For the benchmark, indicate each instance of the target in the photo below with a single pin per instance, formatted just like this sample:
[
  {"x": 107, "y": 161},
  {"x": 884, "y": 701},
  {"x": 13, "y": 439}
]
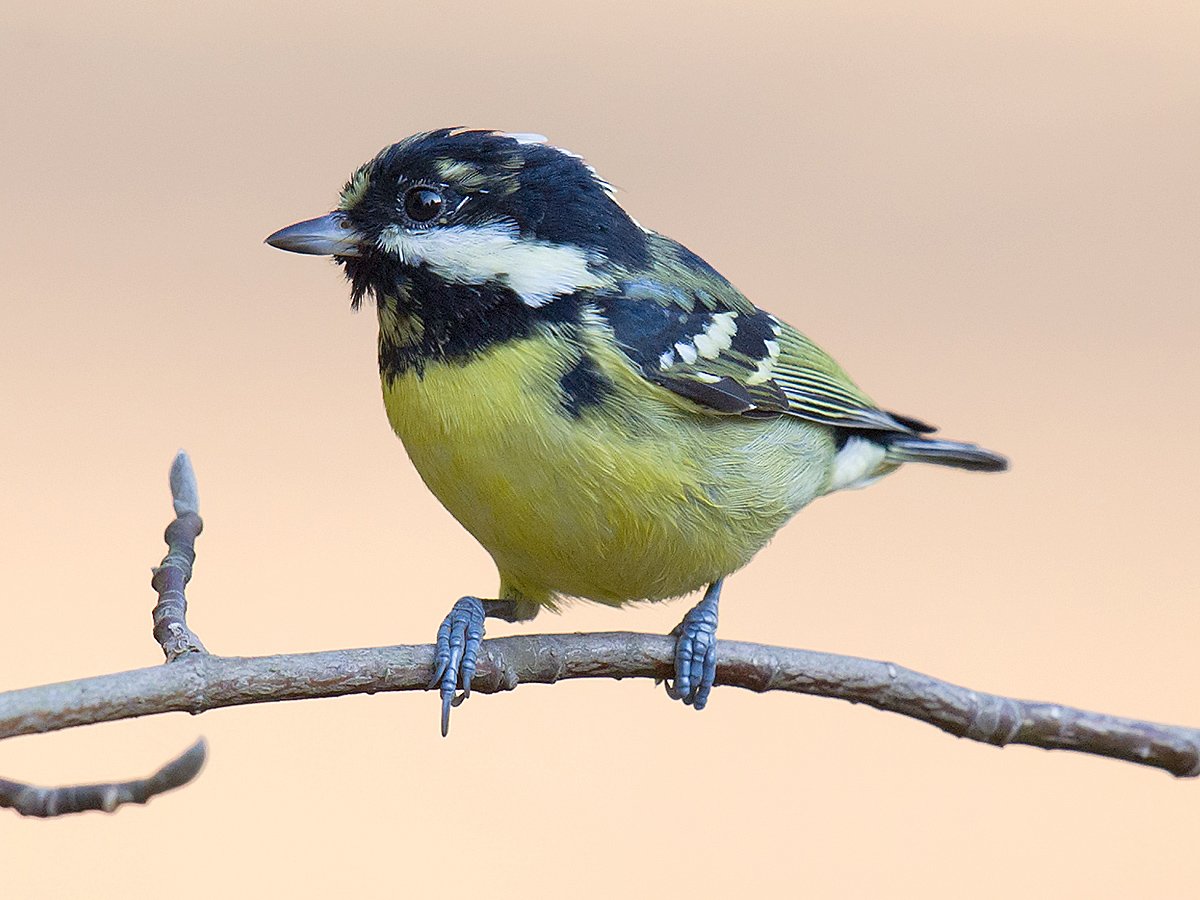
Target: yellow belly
[{"x": 638, "y": 498}]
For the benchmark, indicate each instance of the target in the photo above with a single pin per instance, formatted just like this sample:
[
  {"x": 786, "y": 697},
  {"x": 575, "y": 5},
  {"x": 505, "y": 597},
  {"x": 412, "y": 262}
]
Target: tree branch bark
[
  {"x": 193, "y": 680},
  {"x": 199, "y": 682}
]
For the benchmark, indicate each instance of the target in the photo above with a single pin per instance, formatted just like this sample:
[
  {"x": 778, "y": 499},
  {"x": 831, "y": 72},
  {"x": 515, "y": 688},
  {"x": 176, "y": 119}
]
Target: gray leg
[
  {"x": 458, "y": 643},
  {"x": 696, "y": 651}
]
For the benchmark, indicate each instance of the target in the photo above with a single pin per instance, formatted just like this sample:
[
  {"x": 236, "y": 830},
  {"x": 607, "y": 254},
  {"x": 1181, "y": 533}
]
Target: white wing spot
[
  {"x": 717, "y": 335},
  {"x": 706, "y": 346},
  {"x": 686, "y": 352},
  {"x": 724, "y": 322},
  {"x": 666, "y": 360},
  {"x": 762, "y": 372}
]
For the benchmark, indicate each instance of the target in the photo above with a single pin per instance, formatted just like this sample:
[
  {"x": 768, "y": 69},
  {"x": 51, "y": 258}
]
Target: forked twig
[
  {"x": 176, "y": 639},
  {"x": 194, "y": 680}
]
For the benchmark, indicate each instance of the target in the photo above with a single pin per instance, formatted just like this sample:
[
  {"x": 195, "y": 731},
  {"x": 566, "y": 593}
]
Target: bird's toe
[
  {"x": 696, "y": 652},
  {"x": 458, "y": 643}
]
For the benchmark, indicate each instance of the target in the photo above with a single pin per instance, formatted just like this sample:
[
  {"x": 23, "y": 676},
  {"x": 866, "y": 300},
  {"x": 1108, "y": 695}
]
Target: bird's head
[{"x": 504, "y": 213}]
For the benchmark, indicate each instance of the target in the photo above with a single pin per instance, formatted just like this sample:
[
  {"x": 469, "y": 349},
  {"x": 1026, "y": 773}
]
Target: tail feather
[{"x": 903, "y": 448}]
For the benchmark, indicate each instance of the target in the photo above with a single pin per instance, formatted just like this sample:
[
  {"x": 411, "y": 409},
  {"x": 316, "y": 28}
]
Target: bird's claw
[
  {"x": 458, "y": 642},
  {"x": 696, "y": 651}
]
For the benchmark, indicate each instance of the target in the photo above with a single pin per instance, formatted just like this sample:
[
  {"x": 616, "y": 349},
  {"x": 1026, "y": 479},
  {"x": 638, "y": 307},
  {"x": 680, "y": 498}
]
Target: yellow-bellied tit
[{"x": 607, "y": 415}]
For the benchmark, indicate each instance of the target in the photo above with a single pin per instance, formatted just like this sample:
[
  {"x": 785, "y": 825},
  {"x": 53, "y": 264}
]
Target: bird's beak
[{"x": 330, "y": 235}]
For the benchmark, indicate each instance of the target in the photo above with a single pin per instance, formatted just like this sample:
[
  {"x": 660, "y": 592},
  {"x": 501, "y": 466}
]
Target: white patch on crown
[
  {"x": 527, "y": 138},
  {"x": 855, "y": 464},
  {"x": 536, "y": 270},
  {"x": 521, "y": 138}
]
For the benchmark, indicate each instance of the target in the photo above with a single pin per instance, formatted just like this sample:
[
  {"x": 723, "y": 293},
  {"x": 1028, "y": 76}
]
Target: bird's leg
[
  {"x": 696, "y": 650},
  {"x": 458, "y": 643}
]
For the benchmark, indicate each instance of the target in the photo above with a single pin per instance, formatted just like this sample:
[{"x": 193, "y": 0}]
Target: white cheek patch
[{"x": 535, "y": 270}]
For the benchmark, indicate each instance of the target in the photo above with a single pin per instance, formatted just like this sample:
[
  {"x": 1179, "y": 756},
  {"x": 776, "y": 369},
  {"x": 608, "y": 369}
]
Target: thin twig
[
  {"x": 30, "y": 800},
  {"x": 172, "y": 575},
  {"x": 201, "y": 682}
]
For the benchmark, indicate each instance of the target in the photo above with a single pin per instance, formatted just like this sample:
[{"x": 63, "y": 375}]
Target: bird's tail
[{"x": 903, "y": 448}]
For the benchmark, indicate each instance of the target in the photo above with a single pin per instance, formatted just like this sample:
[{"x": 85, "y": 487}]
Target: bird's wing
[{"x": 691, "y": 331}]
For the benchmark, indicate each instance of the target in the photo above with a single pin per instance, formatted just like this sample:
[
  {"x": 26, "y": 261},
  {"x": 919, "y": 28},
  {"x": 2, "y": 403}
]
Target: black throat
[{"x": 425, "y": 319}]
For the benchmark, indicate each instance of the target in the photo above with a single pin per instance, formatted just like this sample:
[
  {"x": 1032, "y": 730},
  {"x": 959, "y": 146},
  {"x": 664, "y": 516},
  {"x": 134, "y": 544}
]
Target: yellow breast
[{"x": 638, "y": 497}]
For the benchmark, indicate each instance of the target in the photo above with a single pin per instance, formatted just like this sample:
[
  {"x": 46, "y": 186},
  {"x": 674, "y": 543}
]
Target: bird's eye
[{"x": 422, "y": 204}]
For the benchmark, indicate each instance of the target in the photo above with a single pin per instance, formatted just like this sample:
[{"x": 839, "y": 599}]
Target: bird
[{"x": 601, "y": 409}]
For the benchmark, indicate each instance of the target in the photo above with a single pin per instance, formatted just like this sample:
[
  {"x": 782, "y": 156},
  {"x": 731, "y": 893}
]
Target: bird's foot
[
  {"x": 458, "y": 643},
  {"x": 696, "y": 651}
]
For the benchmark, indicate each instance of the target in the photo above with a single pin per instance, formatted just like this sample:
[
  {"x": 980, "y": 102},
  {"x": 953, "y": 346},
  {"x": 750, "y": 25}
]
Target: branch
[
  {"x": 196, "y": 683},
  {"x": 194, "y": 680},
  {"x": 44, "y": 803}
]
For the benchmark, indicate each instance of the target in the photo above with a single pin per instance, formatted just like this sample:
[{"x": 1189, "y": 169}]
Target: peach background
[{"x": 991, "y": 217}]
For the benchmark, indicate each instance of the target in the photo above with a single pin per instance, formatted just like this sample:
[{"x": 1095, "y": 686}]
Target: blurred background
[{"x": 990, "y": 214}]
